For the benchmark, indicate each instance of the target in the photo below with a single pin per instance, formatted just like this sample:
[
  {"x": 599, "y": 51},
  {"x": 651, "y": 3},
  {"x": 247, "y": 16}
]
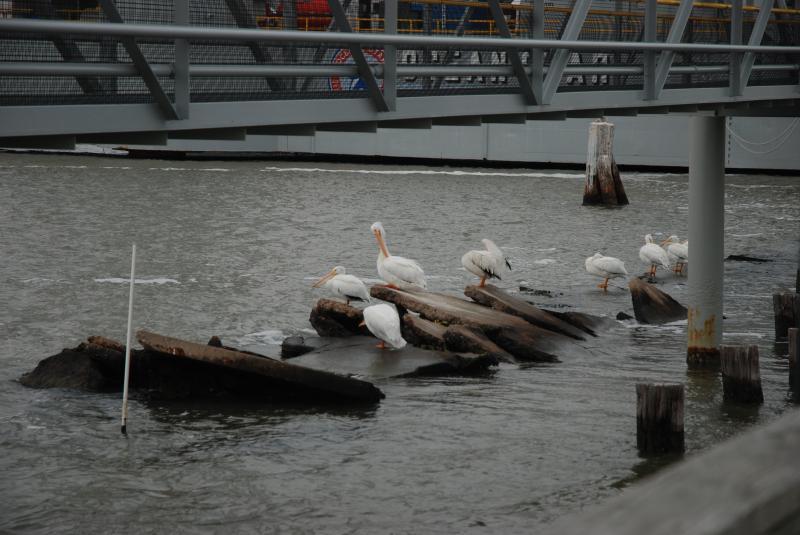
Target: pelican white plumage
[
  {"x": 398, "y": 272},
  {"x": 384, "y": 322},
  {"x": 488, "y": 264},
  {"x": 651, "y": 253},
  {"x": 607, "y": 267},
  {"x": 677, "y": 252},
  {"x": 338, "y": 282}
]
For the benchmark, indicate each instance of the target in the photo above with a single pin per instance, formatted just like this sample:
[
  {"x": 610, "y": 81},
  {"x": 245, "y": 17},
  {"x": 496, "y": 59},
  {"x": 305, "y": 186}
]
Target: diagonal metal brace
[
  {"x": 141, "y": 64},
  {"x": 357, "y": 53},
  {"x": 513, "y": 55},
  {"x": 756, "y": 35},
  {"x": 571, "y": 31},
  {"x": 675, "y": 35},
  {"x": 245, "y": 19}
]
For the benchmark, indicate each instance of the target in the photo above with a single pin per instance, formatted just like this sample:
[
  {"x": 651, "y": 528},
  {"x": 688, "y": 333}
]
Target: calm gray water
[{"x": 231, "y": 248}]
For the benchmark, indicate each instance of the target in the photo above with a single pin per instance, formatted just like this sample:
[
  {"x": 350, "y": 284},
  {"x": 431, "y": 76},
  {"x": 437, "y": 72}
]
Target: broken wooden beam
[{"x": 651, "y": 305}]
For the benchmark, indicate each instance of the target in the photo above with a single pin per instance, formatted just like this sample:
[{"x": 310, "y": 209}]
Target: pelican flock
[
  {"x": 677, "y": 252},
  {"x": 384, "y": 322},
  {"x": 398, "y": 272},
  {"x": 652, "y": 254},
  {"x": 607, "y": 267},
  {"x": 338, "y": 282},
  {"x": 488, "y": 264}
]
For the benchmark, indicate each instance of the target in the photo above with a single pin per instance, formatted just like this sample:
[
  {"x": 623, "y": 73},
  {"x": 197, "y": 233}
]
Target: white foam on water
[
  {"x": 749, "y": 335},
  {"x": 421, "y": 172},
  {"x": 269, "y": 336},
  {"x": 544, "y": 262},
  {"x": 157, "y": 280}
]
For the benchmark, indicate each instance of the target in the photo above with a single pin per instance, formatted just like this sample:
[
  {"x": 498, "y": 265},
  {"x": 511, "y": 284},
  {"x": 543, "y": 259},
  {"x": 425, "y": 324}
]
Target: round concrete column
[{"x": 706, "y": 238}]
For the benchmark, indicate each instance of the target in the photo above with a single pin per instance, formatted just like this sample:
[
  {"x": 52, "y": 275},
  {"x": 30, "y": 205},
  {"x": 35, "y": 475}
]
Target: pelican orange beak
[
  {"x": 381, "y": 243},
  {"x": 325, "y": 278},
  {"x": 663, "y": 243}
]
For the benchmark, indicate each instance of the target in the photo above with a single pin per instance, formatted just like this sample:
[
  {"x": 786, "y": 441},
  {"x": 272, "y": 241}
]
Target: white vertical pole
[
  {"x": 128, "y": 346},
  {"x": 706, "y": 238}
]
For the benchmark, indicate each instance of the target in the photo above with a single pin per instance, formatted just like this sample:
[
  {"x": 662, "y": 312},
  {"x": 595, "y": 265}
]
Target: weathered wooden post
[
  {"x": 741, "y": 378},
  {"x": 659, "y": 418},
  {"x": 787, "y": 312},
  {"x": 794, "y": 358},
  {"x": 603, "y": 184}
]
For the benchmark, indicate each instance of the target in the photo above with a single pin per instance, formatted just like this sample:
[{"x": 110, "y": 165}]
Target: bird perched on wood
[
  {"x": 607, "y": 267},
  {"x": 651, "y": 253},
  {"x": 677, "y": 252},
  {"x": 384, "y": 322},
  {"x": 488, "y": 264},
  {"x": 398, "y": 272},
  {"x": 338, "y": 282}
]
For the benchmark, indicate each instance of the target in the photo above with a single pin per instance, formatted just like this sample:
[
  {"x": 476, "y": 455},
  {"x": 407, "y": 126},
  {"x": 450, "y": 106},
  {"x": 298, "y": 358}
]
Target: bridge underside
[{"x": 60, "y": 126}]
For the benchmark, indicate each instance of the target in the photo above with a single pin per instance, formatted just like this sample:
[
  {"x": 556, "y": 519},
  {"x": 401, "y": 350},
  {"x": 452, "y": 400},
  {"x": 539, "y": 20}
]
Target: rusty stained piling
[
  {"x": 787, "y": 312},
  {"x": 794, "y": 359},
  {"x": 659, "y": 418},
  {"x": 741, "y": 378},
  {"x": 603, "y": 183}
]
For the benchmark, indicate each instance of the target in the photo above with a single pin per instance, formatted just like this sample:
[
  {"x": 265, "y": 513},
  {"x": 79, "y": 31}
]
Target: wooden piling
[
  {"x": 659, "y": 418},
  {"x": 741, "y": 378},
  {"x": 603, "y": 183},
  {"x": 794, "y": 358},
  {"x": 787, "y": 312}
]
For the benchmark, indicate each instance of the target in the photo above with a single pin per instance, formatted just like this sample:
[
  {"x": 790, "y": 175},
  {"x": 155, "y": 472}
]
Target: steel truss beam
[
  {"x": 357, "y": 53},
  {"x": 675, "y": 35},
  {"x": 513, "y": 55},
  {"x": 760, "y": 25},
  {"x": 571, "y": 31},
  {"x": 142, "y": 66},
  {"x": 244, "y": 19}
]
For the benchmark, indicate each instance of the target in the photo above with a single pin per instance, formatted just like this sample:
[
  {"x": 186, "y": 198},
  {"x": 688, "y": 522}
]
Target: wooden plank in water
[{"x": 323, "y": 381}]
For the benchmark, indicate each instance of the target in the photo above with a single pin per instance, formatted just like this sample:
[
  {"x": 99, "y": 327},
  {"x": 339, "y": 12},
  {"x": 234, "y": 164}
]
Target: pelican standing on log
[
  {"x": 677, "y": 252},
  {"x": 486, "y": 264},
  {"x": 607, "y": 267},
  {"x": 398, "y": 272},
  {"x": 341, "y": 284},
  {"x": 384, "y": 322},
  {"x": 651, "y": 253}
]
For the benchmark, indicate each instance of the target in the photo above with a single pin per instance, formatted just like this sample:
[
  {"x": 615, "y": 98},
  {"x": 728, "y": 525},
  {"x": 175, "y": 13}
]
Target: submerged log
[
  {"x": 603, "y": 183},
  {"x": 359, "y": 356},
  {"x": 651, "y": 305},
  {"x": 492, "y": 297},
  {"x": 324, "y": 383},
  {"x": 334, "y": 318},
  {"x": 514, "y": 335}
]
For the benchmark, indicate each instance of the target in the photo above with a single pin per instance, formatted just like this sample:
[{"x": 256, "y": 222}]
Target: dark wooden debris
[
  {"x": 651, "y": 305},
  {"x": 786, "y": 307},
  {"x": 622, "y": 316},
  {"x": 741, "y": 378},
  {"x": 462, "y": 338},
  {"x": 794, "y": 358},
  {"x": 526, "y": 342},
  {"x": 745, "y": 258},
  {"x": 492, "y": 297},
  {"x": 334, "y": 318},
  {"x": 586, "y": 322},
  {"x": 659, "y": 418},
  {"x": 294, "y": 346}
]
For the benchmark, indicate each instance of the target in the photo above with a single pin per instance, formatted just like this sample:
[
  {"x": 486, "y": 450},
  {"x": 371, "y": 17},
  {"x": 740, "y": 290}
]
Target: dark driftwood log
[
  {"x": 326, "y": 383},
  {"x": 794, "y": 358},
  {"x": 651, "y": 305},
  {"x": 460, "y": 338},
  {"x": 659, "y": 418},
  {"x": 787, "y": 313},
  {"x": 515, "y": 335},
  {"x": 741, "y": 378},
  {"x": 334, "y": 318},
  {"x": 89, "y": 367},
  {"x": 492, "y": 297},
  {"x": 423, "y": 333}
]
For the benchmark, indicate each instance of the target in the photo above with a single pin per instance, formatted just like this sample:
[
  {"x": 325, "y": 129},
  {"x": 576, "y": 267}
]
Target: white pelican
[
  {"x": 343, "y": 285},
  {"x": 651, "y": 253},
  {"x": 607, "y": 267},
  {"x": 398, "y": 272},
  {"x": 677, "y": 252},
  {"x": 486, "y": 264},
  {"x": 384, "y": 322}
]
